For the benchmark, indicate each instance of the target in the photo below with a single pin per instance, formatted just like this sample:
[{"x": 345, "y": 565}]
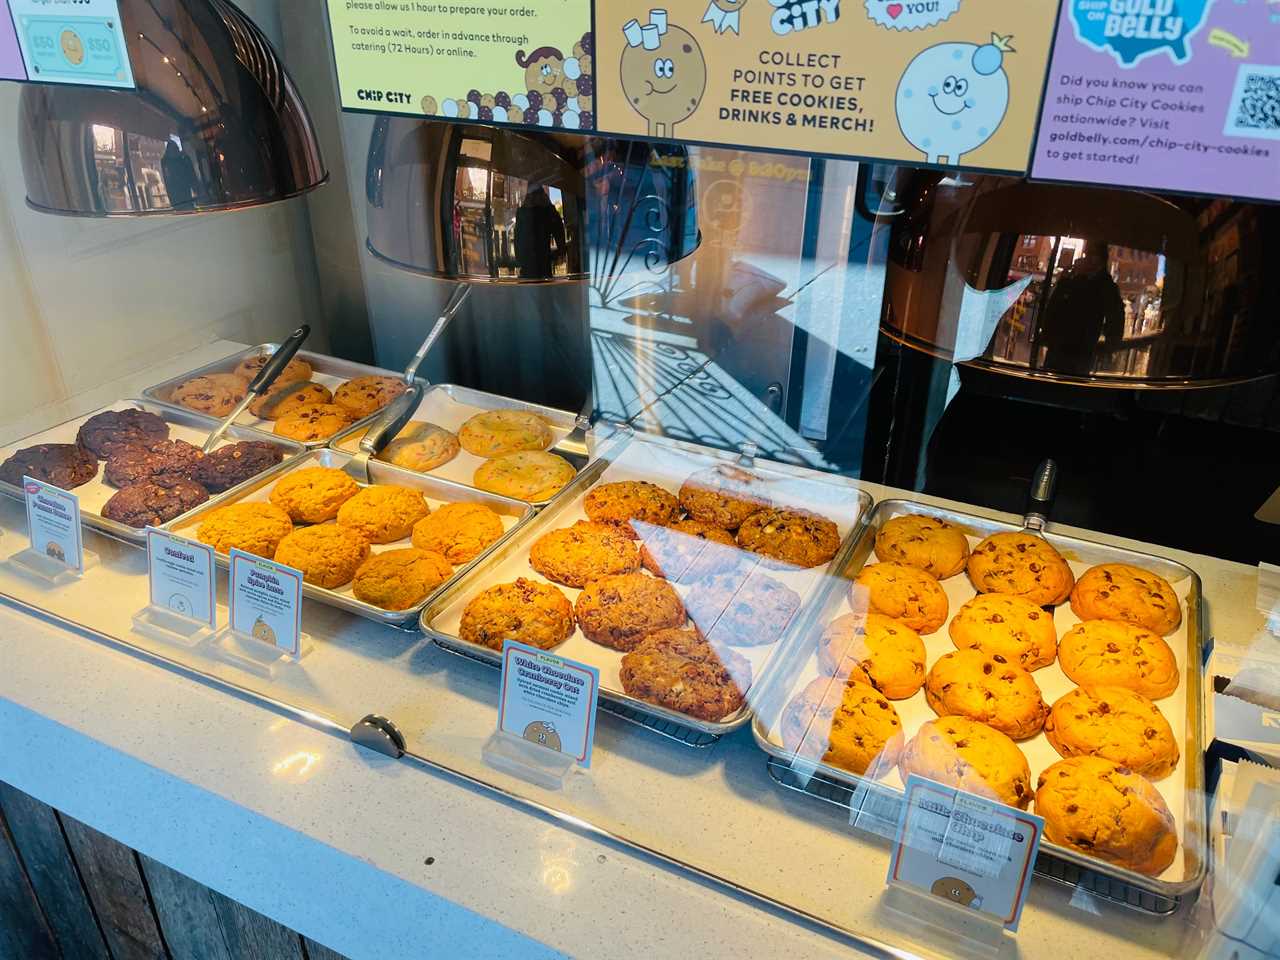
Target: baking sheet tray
[
  {"x": 667, "y": 463},
  {"x": 1183, "y": 790},
  {"x": 330, "y": 371},
  {"x": 437, "y": 492},
  {"x": 450, "y": 406},
  {"x": 183, "y": 425}
]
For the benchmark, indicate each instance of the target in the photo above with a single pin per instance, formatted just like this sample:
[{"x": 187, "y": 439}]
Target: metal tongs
[
  {"x": 1044, "y": 484},
  {"x": 401, "y": 410},
  {"x": 261, "y": 383}
]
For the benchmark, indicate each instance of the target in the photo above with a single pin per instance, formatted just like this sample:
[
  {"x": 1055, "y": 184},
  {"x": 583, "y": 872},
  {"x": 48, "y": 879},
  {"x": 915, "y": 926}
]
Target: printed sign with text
[
  {"x": 53, "y": 519},
  {"x": 549, "y": 700},
  {"x": 266, "y": 602},
  {"x": 70, "y": 41},
  {"x": 180, "y": 573},
  {"x": 1165, "y": 95}
]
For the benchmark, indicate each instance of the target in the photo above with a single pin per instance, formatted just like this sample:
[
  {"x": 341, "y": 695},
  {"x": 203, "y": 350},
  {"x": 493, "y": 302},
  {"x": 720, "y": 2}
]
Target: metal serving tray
[
  {"x": 450, "y": 406},
  {"x": 1183, "y": 790},
  {"x": 183, "y": 425},
  {"x": 437, "y": 492},
  {"x": 630, "y": 456},
  {"x": 330, "y": 371}
]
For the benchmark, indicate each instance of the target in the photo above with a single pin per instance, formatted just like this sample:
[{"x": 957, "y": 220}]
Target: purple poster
[
  {"x": 1165, "y": 95},
  {"x": 11, "y": 67}
]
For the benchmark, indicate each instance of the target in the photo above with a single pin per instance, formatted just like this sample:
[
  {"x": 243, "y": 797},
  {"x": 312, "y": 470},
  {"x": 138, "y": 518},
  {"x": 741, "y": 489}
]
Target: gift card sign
[
  {"x": 266, "y": 602},
  {"x": 549, "y": 700},
  {"x": 180, "y": 573},
  {"x": 69, "y": 41},
  {"x": 967, "y": 850},
  {"x": 53, "y": 519}
]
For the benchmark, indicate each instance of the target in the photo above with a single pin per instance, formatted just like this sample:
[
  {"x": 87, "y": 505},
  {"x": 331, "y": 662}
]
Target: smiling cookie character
[
  {"x": 543, "y": 69},
  {"x": 664, "y": 74},
  {"x": 953, "y": 97},
  {"x": 725, "y": 15}
]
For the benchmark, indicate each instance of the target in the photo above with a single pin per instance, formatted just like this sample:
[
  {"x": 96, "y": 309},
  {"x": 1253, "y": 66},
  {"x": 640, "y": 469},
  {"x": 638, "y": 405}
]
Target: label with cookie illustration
[
  {"x": 68, "y": 41},
  {"x": 53, "y": 523},
  {"x": 528, "y": 62},
  {"x": 266, "y": 602},
  {"x": 180, "y": 575},
  {"x": 549, "y": 701},
  {"x": 946, "y": 82}
]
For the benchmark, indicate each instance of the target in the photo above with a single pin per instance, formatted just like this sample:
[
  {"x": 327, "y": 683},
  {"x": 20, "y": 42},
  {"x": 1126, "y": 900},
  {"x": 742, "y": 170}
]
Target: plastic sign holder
[
  {"x": 183, "y": 593},
  {"x": 264, "y": 634},
  {"x": 546, "y": 716},
  {"x": 57, "y": 554}
]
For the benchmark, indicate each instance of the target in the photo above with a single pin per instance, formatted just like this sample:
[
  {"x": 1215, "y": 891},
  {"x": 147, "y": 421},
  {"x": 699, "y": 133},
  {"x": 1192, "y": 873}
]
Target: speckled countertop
[{"x": 381, "y": 859}]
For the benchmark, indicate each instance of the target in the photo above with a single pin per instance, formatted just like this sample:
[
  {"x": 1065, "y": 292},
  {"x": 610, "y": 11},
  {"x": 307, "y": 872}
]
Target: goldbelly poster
[{"x": 951, "y": 82}]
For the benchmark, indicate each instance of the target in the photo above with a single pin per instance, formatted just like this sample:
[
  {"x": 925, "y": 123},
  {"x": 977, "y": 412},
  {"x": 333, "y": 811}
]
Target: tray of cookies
[
  {"x": 382, "y": 550},
  {"x": 1050, "y": 673},
  {"x": 673, "y": 568},
  {"x": 508, "y": 447},
  {"x": 313, "y": 399},
  {"x": 135, "y": 464}
]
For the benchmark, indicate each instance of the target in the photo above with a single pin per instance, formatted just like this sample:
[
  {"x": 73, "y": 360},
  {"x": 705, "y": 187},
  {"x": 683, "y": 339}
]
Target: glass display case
[{"x": 848, "y": 480}]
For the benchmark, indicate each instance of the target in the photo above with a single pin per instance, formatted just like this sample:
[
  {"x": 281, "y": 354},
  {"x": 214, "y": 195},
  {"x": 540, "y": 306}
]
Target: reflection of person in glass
[
  {"x": 1085, "y": 303},
  {"x": 539, "y": 227},
  {"x": 179, "y": 177}
]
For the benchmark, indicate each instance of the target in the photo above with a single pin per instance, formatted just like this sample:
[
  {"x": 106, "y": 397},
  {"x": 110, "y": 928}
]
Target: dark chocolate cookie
[
  {"x": 101, "y": 432},
  {"x": 235, "y": 463},
  {"x": 154, "y": 501},
  {"x": 65, "y": 465},
  {"x": 133, "y": 463}
]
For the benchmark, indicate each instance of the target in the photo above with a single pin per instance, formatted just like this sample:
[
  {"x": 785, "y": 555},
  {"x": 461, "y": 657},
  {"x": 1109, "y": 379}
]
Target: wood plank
[
  {"x": 316, "y": 951},
  {"x": 23, "y": 930},
  {"x": 119, "y": 896},
  {"x": 190, "y": 922},
  {"x": 38, "y": 837},
  {"x": 250, "y": 934}
]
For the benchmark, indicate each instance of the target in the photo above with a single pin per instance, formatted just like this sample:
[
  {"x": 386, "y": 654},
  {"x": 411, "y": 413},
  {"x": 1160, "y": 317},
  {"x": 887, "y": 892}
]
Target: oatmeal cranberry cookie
[
  {"x": 681, "y": 671},
  {"x": 1118, "y": 591},
  {"x": 626, "y": 500},
  {"x": 743, "y": 607},
  {"x": 583, "y": 552},
  {"x": 724, "y": 496},
  {"x": 889, "y": 655},
  {"x": 686, "y": 550},
  {"x": 65, "y": 465},
  {"x": 1011, "y": 626},
  {"x": 537, "y": 614},
  {"x": 1021, "y": 564},
  {"x": 902, "y": 593},
  {"x": 620, "y": 611},
  {"x": 846, "y": 724},
  {"x": 971, "y": 756},
  {"x": 927, "y": 543},
  {"x": 790, "y": 537}
]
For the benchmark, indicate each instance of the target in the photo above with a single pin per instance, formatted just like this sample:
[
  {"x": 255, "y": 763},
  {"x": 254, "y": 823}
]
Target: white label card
[
  {"x": 53, "y": 522},
  {"x": 266, "y": 601},
  {"x": 180, "y": 572},
  {"x": 549, "y": 700},
  {"x": 966, "y": 849}
]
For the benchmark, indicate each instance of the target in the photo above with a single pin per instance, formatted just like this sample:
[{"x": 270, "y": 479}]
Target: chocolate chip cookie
[
  {"x": 724, "y": 496},
  {"x": 1105, "y": 810},
  {"x": 790, "y": 537},
  {"x": 1021, "y": 564},
  {"x": 889, "y": 655},
  {"x": 971, "y": 756},
  {"x": 1112, "y": 653},
  {"x": 1011, "y": 626},
  {"x": 155, "y": 501},
  {"x": 620, "y": 611},
  {"x": 65, "y": 465},
  {"x": 133, "y": 463},
  {"x": 902, "y": 593},
  {"x": 526, "y": 611},
  {"x": 215, "y": 394},
  {"x": 295, "y": 370},
  {"x": 313, "y": 422},
  {"x": 988, "y": 689},
  {"x": 285, "y": 396},
  {"x": 1118, "y": 591},
  {"x": 583, "y": 552},
  {"x": 681, "y": 671},
  {"x": 365, "y": 395},
  {"x": 1115, "y": 723},
  {"x": 626, "y": 500},
  {"x": 846, "y": 724},
  {"x": 234, "y": 463},
  {"x": 112, "y": 428},
  {"x": 927, "y": 543}
]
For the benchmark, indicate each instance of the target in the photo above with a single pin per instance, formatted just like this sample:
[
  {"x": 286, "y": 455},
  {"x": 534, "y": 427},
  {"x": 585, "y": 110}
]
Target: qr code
[{"x": 1255, "y": 105}]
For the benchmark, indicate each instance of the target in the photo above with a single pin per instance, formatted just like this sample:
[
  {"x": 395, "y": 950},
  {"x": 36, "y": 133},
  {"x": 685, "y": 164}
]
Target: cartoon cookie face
[
  {"x": 543, "y": 732},
  {"x": 956, "y": 890},
  {"x": 543, "y": 69},
  {"x": 665, "y": 84},
  {"x": 72, "y": 47},
  {"x": 952, "y": 98}
]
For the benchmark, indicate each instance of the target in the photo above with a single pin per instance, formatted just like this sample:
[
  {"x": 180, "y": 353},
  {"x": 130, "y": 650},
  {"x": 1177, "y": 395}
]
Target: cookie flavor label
[
  {"x": 549, "y": 700},
  {"x": 53, "y": 520},
  {"x": 65, "y": 41},
  {"x": 967, "y": 850},
  {"x": 503, "y": 61},
  {"x": 1165, "y": 95},
  {"x": 180, "y": 573},
  {"x": 949, "y": 82},
  {"x": 266, "y": 602}
]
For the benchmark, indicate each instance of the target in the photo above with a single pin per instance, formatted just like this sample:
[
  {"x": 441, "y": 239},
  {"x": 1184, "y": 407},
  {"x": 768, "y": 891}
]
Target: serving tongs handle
[
  {"x": 392, "y": 420},
  {"x": 1044, "y": 487},
  {"x": 262, "y": 382}
]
